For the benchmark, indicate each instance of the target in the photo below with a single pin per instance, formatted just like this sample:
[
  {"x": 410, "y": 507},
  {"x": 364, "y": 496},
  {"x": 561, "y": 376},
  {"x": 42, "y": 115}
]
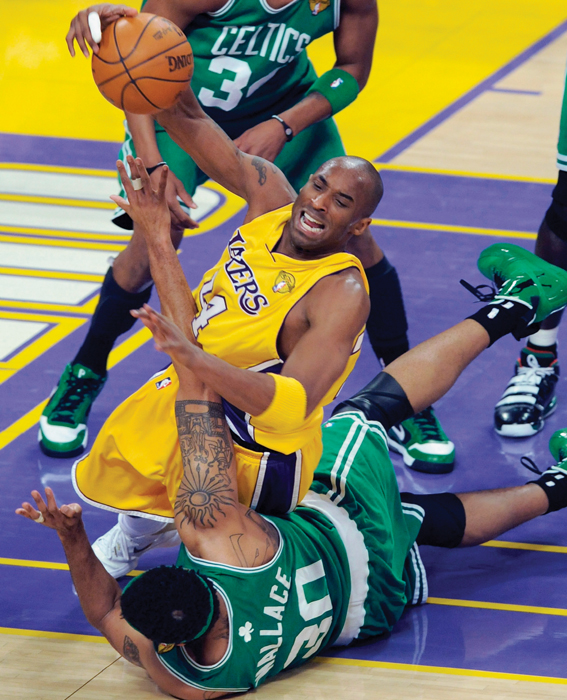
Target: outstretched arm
[
  {"x": 99, "y": 594},
  {"x": 210, "y": 520},
  {"x": 261, "y": 184},
  {"x": 354, "y": 46},
  {"x": 149, "y": 209}
]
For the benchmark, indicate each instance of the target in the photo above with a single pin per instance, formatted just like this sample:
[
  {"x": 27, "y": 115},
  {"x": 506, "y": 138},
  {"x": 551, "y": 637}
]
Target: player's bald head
[{"x": 366, "y": 181}]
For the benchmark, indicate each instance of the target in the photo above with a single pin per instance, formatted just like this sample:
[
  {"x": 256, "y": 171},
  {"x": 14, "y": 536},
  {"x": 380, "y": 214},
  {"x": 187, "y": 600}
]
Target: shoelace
[
  {"x": 427, "y": 424},
  {"x": 531, "y": 375},
  {"x": 528, "y": 463},
  {"x": 76, "y": 392},
  {"x": 476, "y": 291}
]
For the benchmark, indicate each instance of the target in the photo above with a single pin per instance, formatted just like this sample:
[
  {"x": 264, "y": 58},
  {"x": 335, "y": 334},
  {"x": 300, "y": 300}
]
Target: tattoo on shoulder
[
  {"x": 260, "y": 165},
  {"x": 206, "y": 489},
  {"x": 130, "y": 652}
]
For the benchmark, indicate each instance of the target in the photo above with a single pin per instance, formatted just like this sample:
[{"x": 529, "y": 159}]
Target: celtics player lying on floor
[{"x": 253, "y": 595}]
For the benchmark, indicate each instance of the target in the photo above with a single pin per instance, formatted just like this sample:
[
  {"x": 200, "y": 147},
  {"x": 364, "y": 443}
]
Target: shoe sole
[
  {"x": 62, "y": 454},
  {"x": 522, "y": 430},
  {"x": 419, "y": 465}
]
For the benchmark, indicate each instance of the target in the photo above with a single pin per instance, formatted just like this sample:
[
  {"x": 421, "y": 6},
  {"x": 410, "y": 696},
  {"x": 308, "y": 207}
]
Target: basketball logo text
[
  {"x": 178, "y": 62},
  {"x": 242, "y": 277}
]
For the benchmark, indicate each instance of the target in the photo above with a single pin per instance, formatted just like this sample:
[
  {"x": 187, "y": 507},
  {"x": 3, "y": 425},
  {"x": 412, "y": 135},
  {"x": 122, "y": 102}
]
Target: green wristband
[{"x": 338, "y": 87}]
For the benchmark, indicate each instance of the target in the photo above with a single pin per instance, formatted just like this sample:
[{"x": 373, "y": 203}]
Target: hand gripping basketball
[{"x": 143, "y": 63}]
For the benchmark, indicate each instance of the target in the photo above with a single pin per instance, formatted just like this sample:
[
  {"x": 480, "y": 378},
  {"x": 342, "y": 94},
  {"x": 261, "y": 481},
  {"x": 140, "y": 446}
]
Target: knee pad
[
  {"x": 444, "y": 518},
  {"x": 382, "y": 400}
]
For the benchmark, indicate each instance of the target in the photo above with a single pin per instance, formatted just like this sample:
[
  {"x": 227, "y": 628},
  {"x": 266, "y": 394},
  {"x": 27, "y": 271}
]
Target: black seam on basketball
[
  {"x": 120, "y": 60},
  {"x": 127, "y": 70},
  {"x": 138, "y": 39}
]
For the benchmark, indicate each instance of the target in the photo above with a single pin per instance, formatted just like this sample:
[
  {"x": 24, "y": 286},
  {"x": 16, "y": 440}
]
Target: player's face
[{"x": 326, "y": 210}]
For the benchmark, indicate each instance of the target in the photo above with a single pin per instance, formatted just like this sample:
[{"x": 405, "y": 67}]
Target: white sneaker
[{"x": 119, "y": 553}]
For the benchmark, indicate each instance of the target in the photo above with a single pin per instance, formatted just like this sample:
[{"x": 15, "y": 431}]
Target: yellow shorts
[{"x": 135, "y": 463}]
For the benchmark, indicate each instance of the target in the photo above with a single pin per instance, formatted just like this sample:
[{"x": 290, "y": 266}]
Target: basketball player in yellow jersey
[{"x": 284, "y": 297}]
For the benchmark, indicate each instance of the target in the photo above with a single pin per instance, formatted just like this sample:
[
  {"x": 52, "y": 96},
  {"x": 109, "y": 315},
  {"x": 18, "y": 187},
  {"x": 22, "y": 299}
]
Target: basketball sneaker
[
  {"x": 63, "y": 423},
  {"x": 529, "y": 396},
  {"x": 522, "y": 277},
  {"x": 423, "y": 444},
  {"x": 119, "y": 553},
  {"x": 553, "y": 480}
]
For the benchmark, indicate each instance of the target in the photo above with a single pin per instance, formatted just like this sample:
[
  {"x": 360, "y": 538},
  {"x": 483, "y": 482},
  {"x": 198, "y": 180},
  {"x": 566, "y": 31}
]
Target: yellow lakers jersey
[
  {"x": 242, "y": 304},
  {"x": 135, "y": 465}
]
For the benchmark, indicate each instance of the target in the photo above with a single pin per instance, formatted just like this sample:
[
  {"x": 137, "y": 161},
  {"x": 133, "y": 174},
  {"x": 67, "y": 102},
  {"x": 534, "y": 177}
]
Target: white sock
[
  {"x": 140, "y": 527},
  {"x": 544, "y": 338}
]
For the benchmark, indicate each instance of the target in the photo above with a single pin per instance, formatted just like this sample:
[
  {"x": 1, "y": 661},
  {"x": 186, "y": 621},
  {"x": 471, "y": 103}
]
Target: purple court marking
[
  {"x": 515, "y": 92},
  {"x": 472, "y": 94},
  {"x": 45, "y": 150},
  {"x": 429, "y": 263}
]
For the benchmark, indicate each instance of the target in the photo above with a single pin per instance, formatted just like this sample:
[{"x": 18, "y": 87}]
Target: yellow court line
[
  {"x": 454, "y": 602},
  {"x": 57, "y": 201},
  {"x": 464, "y": 173},
  {"x": 50, "y": 274},
  {"x": 64, "y": 326},
  {"x": 86, "y": 245},
  {"x": 53, "y": 565},
  {"x": 27, "y": 421},
  {"x": 527, "y": 546},
  {"x": 59, "y": 233},
  {"x": 474, "y": 230},
  {"x": 53, "y": 635},
  {"x": 57, "y": 169},
  {"x": 439, "y": 669},
  {"x": 87, "y": 308}
]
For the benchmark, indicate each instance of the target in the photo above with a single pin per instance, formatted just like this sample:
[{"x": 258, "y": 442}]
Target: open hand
[
  {"x": 146, "y": 206},
  {"x": 80, "y": 32},
  {"x": 64, "y": 520},
  {"x": 167, "y": 336}
]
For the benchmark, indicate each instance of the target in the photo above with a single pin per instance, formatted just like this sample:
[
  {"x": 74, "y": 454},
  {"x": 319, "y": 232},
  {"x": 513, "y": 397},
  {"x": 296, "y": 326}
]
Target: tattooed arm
[
  {"x": 211, "y": 522},
  {"x": 259, "y": 182}
]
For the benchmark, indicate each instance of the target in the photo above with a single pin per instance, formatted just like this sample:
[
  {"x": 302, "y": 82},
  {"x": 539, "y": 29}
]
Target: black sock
[
  {"x": 387, "y": 324},
  {"x": 506, "y": 317},
  {"x": 111, "y": 318}
]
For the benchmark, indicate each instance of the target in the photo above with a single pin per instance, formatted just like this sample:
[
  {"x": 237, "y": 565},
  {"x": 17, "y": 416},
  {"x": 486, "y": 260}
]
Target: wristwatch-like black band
[
  {"x": 155, "y": 167},
  {"x": 288, "y": 131}
]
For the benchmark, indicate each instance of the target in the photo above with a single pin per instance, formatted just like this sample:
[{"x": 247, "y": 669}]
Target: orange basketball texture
[{"x": 144, "y": 63}]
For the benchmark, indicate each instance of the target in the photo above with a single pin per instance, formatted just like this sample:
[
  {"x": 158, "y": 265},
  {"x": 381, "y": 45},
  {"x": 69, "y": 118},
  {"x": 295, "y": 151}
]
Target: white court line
[
  {"x": 37, "y": 257},
  {"x": 47, "y": 291},
  {"x": 14, "y": 334}
]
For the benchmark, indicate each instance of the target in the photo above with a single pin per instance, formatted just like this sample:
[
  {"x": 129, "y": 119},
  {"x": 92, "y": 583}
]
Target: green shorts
[
  {"x": 298, "y": 158},
  {"x": 562, "y": 143},
  {"x": 356, "y": 474}
]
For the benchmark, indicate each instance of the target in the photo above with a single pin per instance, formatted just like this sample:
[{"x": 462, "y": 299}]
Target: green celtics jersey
[
  {"x": 280, "y": 614},
  {"x": 248, "y": 56}
]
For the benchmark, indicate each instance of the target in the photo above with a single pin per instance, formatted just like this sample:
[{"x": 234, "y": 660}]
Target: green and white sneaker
[
  {"x": 423, "y": 444},
  {"x": 63, "y": 423},
  {"x": 522, "y": 277}
]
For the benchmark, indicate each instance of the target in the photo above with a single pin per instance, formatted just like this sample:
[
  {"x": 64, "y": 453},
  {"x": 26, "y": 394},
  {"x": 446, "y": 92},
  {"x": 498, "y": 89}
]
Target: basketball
[{"x": 144, "y": 63}]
